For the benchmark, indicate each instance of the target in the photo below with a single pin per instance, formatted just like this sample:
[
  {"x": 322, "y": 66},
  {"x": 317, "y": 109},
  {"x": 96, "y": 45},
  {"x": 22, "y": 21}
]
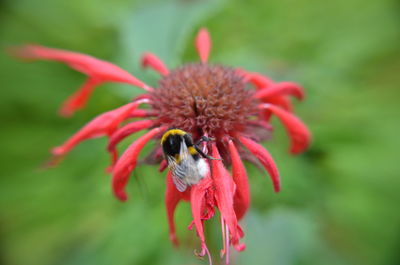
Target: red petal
[
  {"x": 203, "y": 44},
  {"x": 197, "y": 202},
  {"x": 104, "y": 124},
  {"x": 98, "y": 71},
  {"x": 280, "y": 89},
  {"x": 224, "y": 192},
  {"x": 86, "y": 64},
  {"x": 282, "y": 102},
  {"x": 127, "y": 163},
  {"x": 122, "y": 133},
  {"x": 265, "y": 158},
  {"x": 163, "y": 165},
  {"x": 258, "y": 80},
  {"x": 142, "y": 113},
  {"x": 150, "y": 60},
  {"x": 78, "y": 100},
  {"x": 242, "y": 195},
  {"x": 172, "y": 197},
  {"x": 299, "y": 134}
]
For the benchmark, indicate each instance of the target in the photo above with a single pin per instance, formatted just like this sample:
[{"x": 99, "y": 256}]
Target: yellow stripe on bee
[
  {"x": 192, "y": 150},
  {"x": 171, "y": 132}
]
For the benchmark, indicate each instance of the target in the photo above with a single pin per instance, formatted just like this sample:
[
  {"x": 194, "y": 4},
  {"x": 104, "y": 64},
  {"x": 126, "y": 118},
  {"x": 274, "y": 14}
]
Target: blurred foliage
[{"x": 339, "y": 203}]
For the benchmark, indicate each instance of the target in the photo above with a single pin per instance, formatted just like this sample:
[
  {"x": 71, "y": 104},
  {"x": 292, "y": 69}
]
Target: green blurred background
[{"x": 340, "y": 200}]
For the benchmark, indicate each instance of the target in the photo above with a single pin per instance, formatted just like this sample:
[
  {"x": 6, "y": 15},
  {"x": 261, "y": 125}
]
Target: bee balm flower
[{"x": 230, "y": 105}]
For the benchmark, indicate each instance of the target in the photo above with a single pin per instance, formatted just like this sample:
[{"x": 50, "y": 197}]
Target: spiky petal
[
  {"x": 150, "y": 60},
  {"x": 242, "y": 195},
  {"x": 265, "y": 158},
  {"x": 104, "y": 124},
  {"x": 203, "y": 45},
  {"x": 127, "y": 163},
  {"x": 97, "y": 70}
]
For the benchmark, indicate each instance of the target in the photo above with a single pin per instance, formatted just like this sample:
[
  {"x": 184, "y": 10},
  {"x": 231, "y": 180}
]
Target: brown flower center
[{"x": 202, "y": 98}]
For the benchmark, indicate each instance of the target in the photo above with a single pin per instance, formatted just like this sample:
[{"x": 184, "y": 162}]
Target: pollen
[{"x": 203, "y": 98}]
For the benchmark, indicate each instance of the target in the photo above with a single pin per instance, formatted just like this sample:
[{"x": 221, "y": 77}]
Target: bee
[{"x": 185, "y": 159}]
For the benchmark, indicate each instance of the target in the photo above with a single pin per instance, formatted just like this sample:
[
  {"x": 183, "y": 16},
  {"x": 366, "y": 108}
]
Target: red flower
[{"x": 200, "y": 98}]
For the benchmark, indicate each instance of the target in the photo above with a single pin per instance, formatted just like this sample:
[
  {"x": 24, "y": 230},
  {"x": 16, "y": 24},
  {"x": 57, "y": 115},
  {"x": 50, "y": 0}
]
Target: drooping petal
[
  {"x": 99, "y": 71},
  {"x": 224, "y": 192},
  {"x": 197, "y": 202},
  {"x": 242, "y": 195},
  {"x": 280, "y": 89},
  {"x": 78, "y": 100},
  {"x": 127, "y": 163},
  {"x": 299, "y": 134},
  {"x": 104, "y": 124},
  {"x": 150, "y": 60},
  {"x": 282, "y": 102},
  {"x": 203, "y": 45},
  {"x": 124, "y": 132},
  {"x": 265, "y": 158},
  {"x": 172, "y": 198}
]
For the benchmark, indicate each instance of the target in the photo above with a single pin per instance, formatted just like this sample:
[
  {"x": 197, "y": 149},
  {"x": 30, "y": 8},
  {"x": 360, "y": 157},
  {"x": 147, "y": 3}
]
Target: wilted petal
[
  {"x": 242, "y": 195},
  {"x": 197, "y": 201},
  {"x": 265, "y": 158},
  {"x": 299, "y": 134},
  {"x": 150, "y": 60},
  {"x": 203, "y": 45},
  {"x": 125, "y": 131},
  {"x": 281, "y": 89},
  {"x": 127, "y": 163},
  {"x": 224, "y": 192},
  {"x": 172, "y": 198},
  {"x": 104, "y": 124}
]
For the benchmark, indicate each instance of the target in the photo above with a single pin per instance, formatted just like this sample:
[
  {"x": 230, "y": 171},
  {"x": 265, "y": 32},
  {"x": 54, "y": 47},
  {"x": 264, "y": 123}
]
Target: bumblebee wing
[{"x": 178, "y": 175}]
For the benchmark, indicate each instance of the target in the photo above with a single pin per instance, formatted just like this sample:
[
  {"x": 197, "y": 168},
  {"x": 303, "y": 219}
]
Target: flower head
[{"x": 230, "y": 105}]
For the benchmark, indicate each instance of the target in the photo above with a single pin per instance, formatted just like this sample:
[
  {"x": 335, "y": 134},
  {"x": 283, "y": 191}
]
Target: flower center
[{"x": 202, "y": 98}]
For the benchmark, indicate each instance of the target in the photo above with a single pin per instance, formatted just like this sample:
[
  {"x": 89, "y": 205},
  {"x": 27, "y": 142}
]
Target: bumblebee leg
[
  {"x": 203, "y": 154},
  {"x": 204, "y": 139}
]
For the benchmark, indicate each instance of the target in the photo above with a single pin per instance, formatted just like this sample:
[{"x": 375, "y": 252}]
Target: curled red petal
[
  {"x": 280, "y": 89},
  {"x": 78, "y": 100},
  {"x": 104, "y": 124},
  {"x": 127, "y": 163},
  {"x": 150, "y": 60},
  {"x": 224, "y": 192},
  {"x": 242, "y": 195},
  {"x": 299, "y": 134},
  {"x": 265, "y": 158},
  {"x": 203, "y": 44}
]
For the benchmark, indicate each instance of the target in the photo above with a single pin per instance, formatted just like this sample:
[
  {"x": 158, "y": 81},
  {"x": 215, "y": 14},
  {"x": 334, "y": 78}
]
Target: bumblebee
[{"x": 185, "y": 159}]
